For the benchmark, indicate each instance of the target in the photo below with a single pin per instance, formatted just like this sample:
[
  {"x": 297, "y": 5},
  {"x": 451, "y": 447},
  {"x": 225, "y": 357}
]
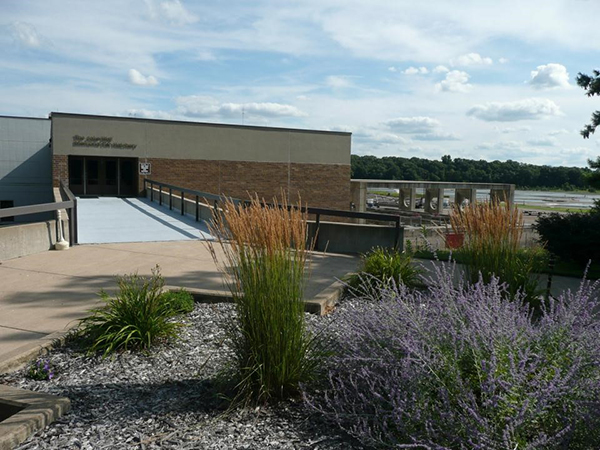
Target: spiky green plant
[
  {"x": 135, "y": 318},
  {"x": 381, "y": 265},
  {"x": 262, "y": 251}
]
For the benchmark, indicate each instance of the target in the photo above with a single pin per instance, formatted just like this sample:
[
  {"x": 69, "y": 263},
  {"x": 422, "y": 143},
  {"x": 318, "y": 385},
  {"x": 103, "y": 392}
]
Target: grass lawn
[{"x": 562, "y": 268}]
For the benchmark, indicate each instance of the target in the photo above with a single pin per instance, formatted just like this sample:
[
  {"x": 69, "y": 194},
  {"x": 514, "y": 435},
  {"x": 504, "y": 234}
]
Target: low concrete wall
[
  {"x": 26, "y": 239},
  {"x": 336, "y": 237}
]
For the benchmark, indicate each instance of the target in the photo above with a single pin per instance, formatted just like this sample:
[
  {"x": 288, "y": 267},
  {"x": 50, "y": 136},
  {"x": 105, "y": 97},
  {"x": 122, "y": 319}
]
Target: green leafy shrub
[
  {"x": 135, "y": 318},
  {"x": 572, "y": 236},
  {"x": 385, "y": 264},
  {"x": 265, "y": 251},
  {"x": 179, "y": 302}
]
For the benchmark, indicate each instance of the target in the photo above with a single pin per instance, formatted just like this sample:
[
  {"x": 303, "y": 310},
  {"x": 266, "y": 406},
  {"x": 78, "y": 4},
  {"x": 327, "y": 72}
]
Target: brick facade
[
  {"x": 319, "y": 185},
  {"x": 60, "y": 169}
]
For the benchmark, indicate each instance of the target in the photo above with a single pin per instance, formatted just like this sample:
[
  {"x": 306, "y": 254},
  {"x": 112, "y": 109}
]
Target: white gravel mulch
[{"x": 167, "y": 399}]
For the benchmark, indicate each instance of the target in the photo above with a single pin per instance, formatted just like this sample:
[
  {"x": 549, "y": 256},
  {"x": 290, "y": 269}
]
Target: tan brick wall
[
  {"x": 60, "y": 169},
  {"x": 319, "y": 185}
]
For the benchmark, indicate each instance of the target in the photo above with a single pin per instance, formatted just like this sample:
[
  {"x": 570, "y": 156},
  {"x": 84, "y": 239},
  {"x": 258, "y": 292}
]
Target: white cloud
[
  {"x": 544, "y": 142},
  {"x": 205, "y": 55},
  {"x": 471, "y": 59},
  {"x": 528, "y": 109},
  {"x": 150, "y": 114},
  {"x": 550, "y": 76},
  {"x": 377, "y": 136},
  {"x": 338, "y": 81},
  {"x": 503, "y": 60},
  {"x": 507, "y": 130},
  {"x": 456, "y": 81},
  {"x": 441, "y": 69},
  {"x": 409, "y": 125},
  {"x": 437, "y": 136},
  {"x": 135, "y": 77},
  {"x": 171, "y": 11},
  {"x": 416, "y": 70},
  {"x": 201, "y": 106},
  {"x": 25, "y": 34},
  {"x": 558, "y": 132},
  {"x": 392, "y": 69}
]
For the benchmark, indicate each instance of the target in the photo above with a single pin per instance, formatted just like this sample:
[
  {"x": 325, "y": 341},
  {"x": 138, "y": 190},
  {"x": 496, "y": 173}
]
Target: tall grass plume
[
  {"x": 265, "y": 253},
  {"x": 492, "y": 246}
]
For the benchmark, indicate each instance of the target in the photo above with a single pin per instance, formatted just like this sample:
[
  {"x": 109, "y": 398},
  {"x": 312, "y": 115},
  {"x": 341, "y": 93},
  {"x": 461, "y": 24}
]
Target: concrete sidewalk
[{"x": 43, "y": 295}]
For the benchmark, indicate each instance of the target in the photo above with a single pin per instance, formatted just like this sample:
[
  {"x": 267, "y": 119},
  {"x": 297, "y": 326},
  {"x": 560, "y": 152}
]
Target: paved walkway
[
  {"x": 110, "y": 219},
  {"x": 43, "y": 294}
]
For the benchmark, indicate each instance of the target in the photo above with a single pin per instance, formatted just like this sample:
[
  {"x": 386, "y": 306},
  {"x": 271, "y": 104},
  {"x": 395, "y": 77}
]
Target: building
[
  {"x": 25, "y": 164},
  {"x": 98, "y": 155},
  {"x": 111, "y": 156}
]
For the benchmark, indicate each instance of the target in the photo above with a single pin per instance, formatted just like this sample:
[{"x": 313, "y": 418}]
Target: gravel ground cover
[{"x": 167, "y": 399}]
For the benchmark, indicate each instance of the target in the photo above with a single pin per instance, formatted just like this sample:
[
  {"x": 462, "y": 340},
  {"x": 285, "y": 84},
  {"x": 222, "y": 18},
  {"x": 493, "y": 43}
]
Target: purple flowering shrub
[{"x": 462, "y": 367}]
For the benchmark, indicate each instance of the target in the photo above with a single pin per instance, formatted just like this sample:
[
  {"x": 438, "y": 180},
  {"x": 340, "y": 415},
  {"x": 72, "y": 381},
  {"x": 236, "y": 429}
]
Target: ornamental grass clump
[
  {"x": 464, "y": 367},
  {"x": 492, "y": 247},
  {"x": 265, "y": 252},
  {"x": 385, "y": 264},
  {"x": 135, "y": 318}
]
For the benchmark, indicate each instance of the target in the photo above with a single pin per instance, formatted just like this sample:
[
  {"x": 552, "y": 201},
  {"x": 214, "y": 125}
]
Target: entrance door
[{"x": 102, "y": 176}]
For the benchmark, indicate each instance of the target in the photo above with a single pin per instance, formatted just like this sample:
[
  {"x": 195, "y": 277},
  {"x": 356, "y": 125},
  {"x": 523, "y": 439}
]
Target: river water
[
  {"x": 549, "y": 198},
  {"x": 556, "y": 199}
]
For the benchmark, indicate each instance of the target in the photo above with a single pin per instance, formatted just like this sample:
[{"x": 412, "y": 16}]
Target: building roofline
[
  {"x": 185, "y": 122},
  {"x": 23, "y": 117}
]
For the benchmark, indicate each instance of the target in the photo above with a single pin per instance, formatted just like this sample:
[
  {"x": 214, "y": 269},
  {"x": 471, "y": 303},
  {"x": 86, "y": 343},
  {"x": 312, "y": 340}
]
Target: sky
[{"x": 479, "y": 79}]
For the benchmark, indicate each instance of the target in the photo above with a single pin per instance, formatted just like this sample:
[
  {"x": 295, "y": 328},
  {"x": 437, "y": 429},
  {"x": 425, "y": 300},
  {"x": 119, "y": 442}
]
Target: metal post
[
  {"x": 397, "y": 238},
  {"x": 75, "y": 227},
  {"x": 182, "y": 204},
  {"x": 160, "y": 194},
  {"x": 151, "y": 191},
  {"x": 170, "y": 198},
  {"x": 71, "y": 227},
  {"x": 551, "y": 263},
  {"x": 317, "y": 225},
  {"x": 197, "y": 212}
]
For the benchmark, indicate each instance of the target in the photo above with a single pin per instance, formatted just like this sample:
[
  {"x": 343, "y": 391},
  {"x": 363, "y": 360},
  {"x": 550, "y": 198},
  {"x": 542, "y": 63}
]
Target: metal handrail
[
  {"x": 310, "y": 210},
  {"x": 70, "y": 206}
]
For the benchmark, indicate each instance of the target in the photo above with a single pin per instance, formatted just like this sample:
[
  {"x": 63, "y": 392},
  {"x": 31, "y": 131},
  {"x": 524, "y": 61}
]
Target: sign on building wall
[{"x": 145, "y": 168}]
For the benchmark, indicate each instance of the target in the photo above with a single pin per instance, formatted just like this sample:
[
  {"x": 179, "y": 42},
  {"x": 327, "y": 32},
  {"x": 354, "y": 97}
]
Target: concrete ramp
[{"x": 105, "y": 220}]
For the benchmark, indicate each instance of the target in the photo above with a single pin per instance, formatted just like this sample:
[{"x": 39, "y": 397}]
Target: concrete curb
[
  {"x": 321, "y": 304},
  {"x": 23, "y": 355},
  {"x": 34, "y": 411}
]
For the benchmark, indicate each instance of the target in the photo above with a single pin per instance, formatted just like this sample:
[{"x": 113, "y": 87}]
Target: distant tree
[
  {"x": 592, "y": 87},
  {"x": 591, "y": 84}
]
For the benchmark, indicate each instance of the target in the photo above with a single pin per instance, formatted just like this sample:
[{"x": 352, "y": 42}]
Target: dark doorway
[{"x": 102, "y": 176}]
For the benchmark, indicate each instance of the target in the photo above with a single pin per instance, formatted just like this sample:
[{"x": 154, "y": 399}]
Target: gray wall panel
[{"x": 25, "y": 163}]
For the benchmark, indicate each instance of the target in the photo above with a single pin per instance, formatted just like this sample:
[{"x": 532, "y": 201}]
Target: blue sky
[{"x": 474, "y": 79}]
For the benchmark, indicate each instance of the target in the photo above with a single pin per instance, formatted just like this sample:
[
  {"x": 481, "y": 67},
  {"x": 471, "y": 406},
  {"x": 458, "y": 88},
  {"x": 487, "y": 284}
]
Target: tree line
[{"x": 528, "y": 176}]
